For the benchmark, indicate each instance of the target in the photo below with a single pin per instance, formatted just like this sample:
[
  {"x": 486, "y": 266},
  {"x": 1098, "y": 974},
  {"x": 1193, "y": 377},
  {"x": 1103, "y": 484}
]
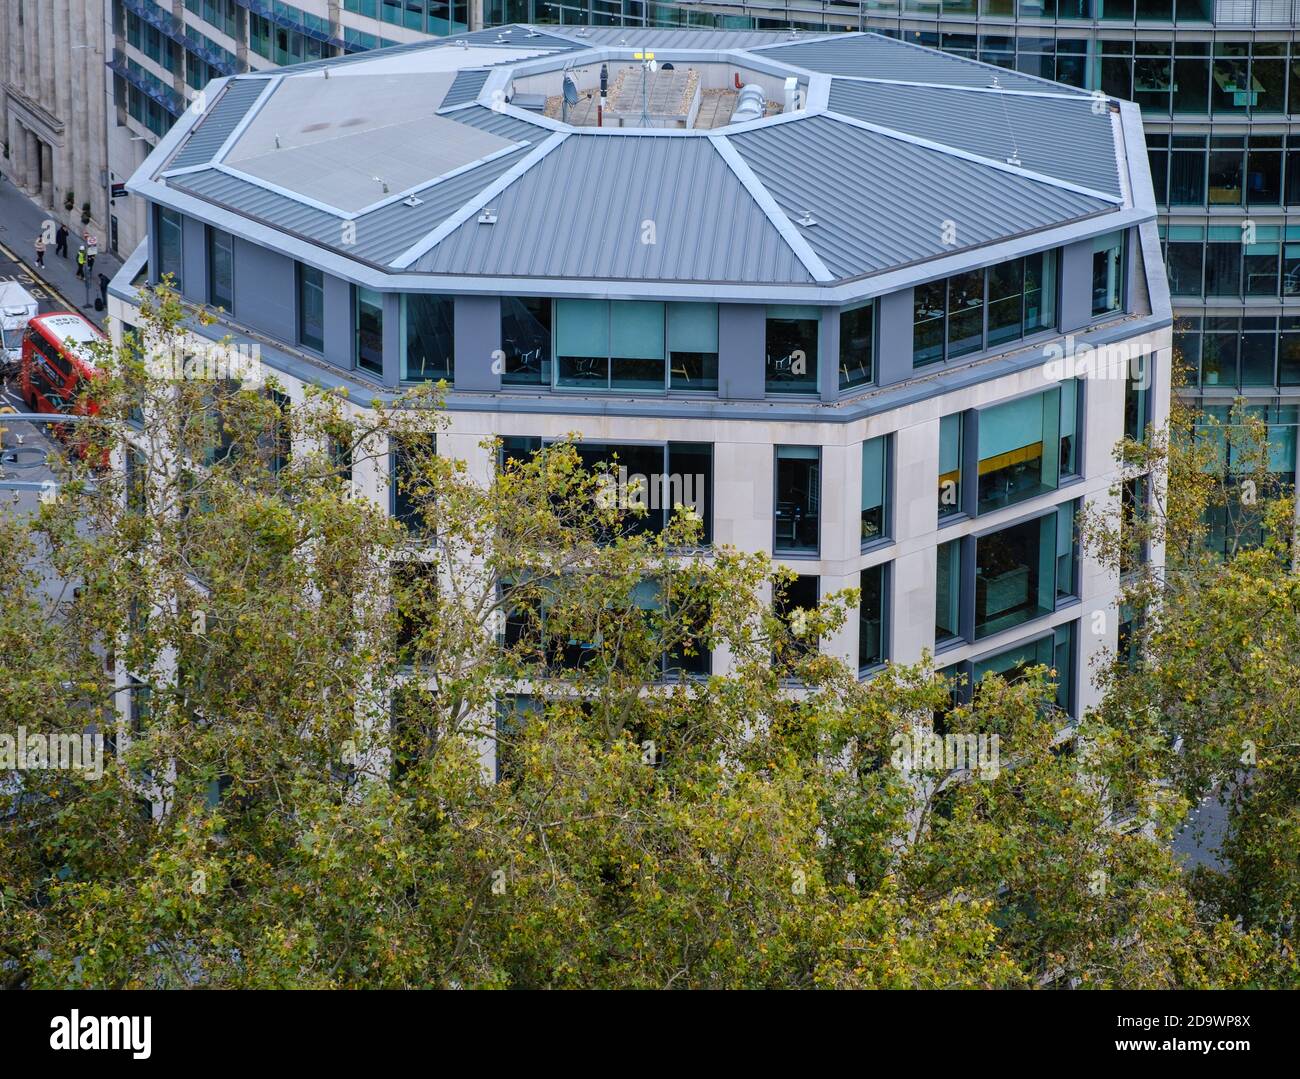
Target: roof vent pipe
[
  {"x": 488, "y": 216},
  {"x": 749, "y": 104}
]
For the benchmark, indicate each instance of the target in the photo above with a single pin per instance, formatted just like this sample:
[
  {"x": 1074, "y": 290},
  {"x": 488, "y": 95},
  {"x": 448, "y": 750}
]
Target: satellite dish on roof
[{"x": 570, "y": 91}]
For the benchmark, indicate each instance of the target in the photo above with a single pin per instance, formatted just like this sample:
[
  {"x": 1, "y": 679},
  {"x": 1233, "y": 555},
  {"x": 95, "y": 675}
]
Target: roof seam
[
  {"x": 431, "y": 240},
  {"x": 749, "y": 180}
]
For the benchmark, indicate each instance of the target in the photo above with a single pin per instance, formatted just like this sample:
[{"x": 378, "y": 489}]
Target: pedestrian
[
  {"x": 81, "y": 262},
  {"x": 103, "y": 290},
  {"x": 61, "y": 241},
  {"x": 90, "y": 262},
  {"x": 40, "y": 250}
]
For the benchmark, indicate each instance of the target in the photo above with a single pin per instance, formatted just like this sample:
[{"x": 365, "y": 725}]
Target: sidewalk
[{"x": 20, "y": 223}]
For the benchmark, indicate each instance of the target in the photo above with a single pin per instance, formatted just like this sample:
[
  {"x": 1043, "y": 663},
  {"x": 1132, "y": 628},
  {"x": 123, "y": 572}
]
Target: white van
[{"x": 17, "y": 306}]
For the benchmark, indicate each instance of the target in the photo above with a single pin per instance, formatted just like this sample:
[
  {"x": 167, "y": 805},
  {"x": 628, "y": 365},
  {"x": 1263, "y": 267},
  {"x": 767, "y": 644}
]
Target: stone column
[{"x": 47, "y": 175}]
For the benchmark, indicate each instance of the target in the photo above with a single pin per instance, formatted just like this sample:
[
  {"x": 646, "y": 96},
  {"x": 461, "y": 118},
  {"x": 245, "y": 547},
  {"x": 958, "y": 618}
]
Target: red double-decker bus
[
  {"x": 58, "y": 365},
  {"x": 58, "y": 362}
]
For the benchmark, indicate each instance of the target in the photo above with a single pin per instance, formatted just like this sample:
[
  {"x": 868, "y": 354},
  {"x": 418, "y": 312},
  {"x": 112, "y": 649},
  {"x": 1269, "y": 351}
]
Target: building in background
[
  {"x": 1218, "y": 83},
  {"x": 163, "y": 52},
  {"x": 89, "y": 86},
  {"x": 52, "y": 109},
  {"x": 846, "y": 315}
]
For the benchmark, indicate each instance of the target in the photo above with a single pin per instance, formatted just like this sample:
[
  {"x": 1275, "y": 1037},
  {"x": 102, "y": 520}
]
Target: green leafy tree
[{"x": 311, "y": 702}]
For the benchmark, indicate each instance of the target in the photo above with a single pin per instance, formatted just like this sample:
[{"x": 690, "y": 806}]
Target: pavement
[{"x": 56, "y": 286}]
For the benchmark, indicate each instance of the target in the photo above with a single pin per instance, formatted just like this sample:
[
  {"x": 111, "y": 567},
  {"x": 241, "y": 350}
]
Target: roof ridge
[
  {"x": 1082, "y": 96},
  {"x": 968, "y": 155},
  {"x": 449, "y": 225},
  {"x": 802, "y": 249}
]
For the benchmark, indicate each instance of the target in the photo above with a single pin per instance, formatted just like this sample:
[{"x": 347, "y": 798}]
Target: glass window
[
  {"x": 636, "y": 345},
  {"x": 871, "y": 618},
  {"x": 950, "y": 452},
  {"x": 857, "y": 326},
  {"x": 1107, "y": 273},
  {"x": 170, "y": 246},
  {"x": 311, "y": 307},
  {"x": 1071, "y": 416},
  {"x": 965, "y": 313},
  {"x": 929, "y": 306},
  {"x": 875, "y": 489},
  {"x": 428, "y": 338},
  {"x": 221, "y": 269},
  {"x": 1055, "y": 651},
  {"x": 693, "y": 346},
  {"x": 1137, "y": 408},
  {"x": 582, "y": 342},
  {"x": 1067, "y": 546},
  {"x": 650, "y": 477},
  {"x": 526, "y": 340},
  {"x": 602, "y": 344},
  {"x": 947, "y": 606},
  {"x": 798, "y": 499},
  {"x": 792, "y": 335},
  {"x": 369, "y": 327},
  {"x": 1040, "y": 292},
  {"x": 1223, "y": 261},
  {"x": 406, "y": 467},
  {"x": 1185, "y": 256},
  {"x": 1015, "y": 575},
  {"x": 801, "y": 594},
  {"x": 1019, "y": 455}
]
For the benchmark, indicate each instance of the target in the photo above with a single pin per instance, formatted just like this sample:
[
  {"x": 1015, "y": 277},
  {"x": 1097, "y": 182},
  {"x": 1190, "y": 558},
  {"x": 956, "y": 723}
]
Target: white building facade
[{"x": 885, "y": 347}]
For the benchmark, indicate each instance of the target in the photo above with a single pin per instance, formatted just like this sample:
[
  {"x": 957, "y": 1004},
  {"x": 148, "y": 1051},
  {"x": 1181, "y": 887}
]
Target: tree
[
  {"x": 1210, "y": 679},
  {"x": 308, "y": 697}
]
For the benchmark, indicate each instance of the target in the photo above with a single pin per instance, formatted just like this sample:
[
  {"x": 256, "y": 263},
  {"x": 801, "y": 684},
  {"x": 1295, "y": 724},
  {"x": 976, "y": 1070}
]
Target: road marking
[{"x": 39, "y": 287}]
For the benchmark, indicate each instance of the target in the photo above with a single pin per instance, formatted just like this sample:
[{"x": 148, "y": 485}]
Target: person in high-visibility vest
[{"x": 81, "y": 261}]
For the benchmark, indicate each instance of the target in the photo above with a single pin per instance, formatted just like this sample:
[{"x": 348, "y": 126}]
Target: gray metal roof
[
  {"x": 892, "y": 143},
  {"x": 464, "y": 88},
  {"x": 583, "y": 209},
  {"x": 380, "y": 235},
  {"x": 903, "y": 195},
  {"x": 1062, "y": 137},
  {"x": 223, "y": 116},
  {"x": 879, "y": 57}
]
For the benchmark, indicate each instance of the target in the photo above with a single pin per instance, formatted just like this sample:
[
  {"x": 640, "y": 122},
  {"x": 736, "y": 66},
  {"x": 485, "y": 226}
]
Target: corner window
[
  {"x": 1107, "y": 273},
  {"x": 857, "y": 330},
  {"x": 311, "y": 307},
  {"x": 428, "y": 338},
  {"x": 875, "y": 489},
  {"x": 170, "y": 245},
  {"x": 792, "y": 336},
  {"x": 1054, "y": 650},
  {"x": 368, "y": 323},
  {"x": 1018, "y": 450},
  {"x": 798, "y": 500},
  {"x": 1022, "y": 570},
  {"x": 221, "y": 269},
  {"x": 526, "y": 340},
  {"x": 871, "y": 618},
  {"x": 982, "y": 309}
]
